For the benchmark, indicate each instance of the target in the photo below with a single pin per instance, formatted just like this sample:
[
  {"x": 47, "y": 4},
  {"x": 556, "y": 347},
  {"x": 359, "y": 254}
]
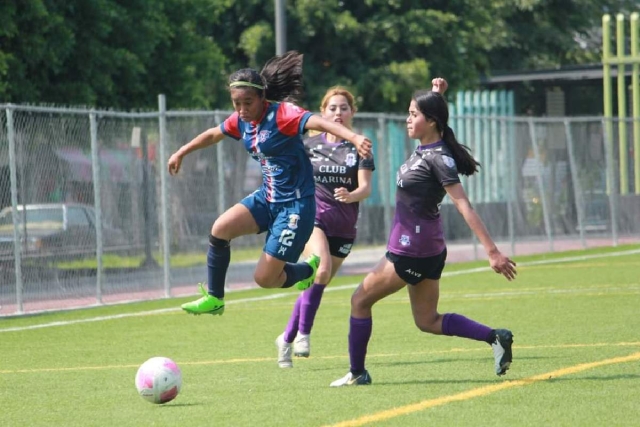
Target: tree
[
  {"x": 121, "y": 54},
  {"x": 108, "y": 53},
  {"x": 553, "y": 33}
]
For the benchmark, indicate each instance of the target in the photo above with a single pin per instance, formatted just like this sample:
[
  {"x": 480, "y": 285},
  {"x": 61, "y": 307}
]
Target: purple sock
[
  {"x": 359, "y": 334},
  {"x": 310, "y": 302},
  {"x": 292, "y": 327},
  {"x": 456, "y": 325}
]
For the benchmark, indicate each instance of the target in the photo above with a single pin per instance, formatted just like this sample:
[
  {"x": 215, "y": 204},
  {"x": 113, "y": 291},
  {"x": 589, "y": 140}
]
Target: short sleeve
[
  {"x": 230, "y": 126},
  {"x": 367, "y": 163},
  {"x": 444, "y": 169},
  {"x": 291, "y": 119}
]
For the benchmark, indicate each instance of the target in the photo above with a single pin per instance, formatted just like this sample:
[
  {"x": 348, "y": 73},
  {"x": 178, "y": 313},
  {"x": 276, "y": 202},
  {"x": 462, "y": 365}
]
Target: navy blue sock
[
  {"x": 218, "y": 259},
  {"x": 296, "y": 272}
]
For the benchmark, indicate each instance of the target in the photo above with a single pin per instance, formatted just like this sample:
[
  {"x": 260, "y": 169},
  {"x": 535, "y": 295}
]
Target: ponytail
[
  {"x": 279, "y": 80},
  {"x": 465, "y": 162},
  {"x": 283, "y": 77}
]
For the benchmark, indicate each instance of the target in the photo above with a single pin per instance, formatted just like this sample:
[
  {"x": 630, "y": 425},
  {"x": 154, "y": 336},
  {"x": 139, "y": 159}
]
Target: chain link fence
[{"x": 91, "y": 216}]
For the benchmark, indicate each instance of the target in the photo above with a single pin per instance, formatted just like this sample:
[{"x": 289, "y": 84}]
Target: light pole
[{"x": 281, "y": 27}]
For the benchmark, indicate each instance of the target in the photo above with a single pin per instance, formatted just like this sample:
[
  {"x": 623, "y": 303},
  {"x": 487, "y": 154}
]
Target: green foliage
[
  {"x": 109, "y": 53},
  {"x": 115, "y": 54}
]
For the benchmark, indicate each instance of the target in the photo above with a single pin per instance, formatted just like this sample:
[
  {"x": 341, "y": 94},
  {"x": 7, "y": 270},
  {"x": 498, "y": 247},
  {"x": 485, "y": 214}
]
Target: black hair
[
  {"x": 433, "y": 106},
  {"x": 281, "y": 78}
]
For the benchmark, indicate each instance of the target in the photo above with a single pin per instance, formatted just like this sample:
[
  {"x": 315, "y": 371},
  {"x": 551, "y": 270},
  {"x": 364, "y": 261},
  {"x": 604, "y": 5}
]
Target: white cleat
[
  {"x": 502, "y": 351},
  {"x": 284, "y": 352},
  {"x": 350, "y": 379},
  {"x": 301, "y": 346}
]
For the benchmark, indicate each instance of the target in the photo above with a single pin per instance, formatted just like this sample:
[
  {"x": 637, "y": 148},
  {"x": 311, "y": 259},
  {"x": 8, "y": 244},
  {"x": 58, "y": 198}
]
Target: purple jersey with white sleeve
[
  {"x": 275, "y": 141},
  {"x": 335, "y": 165},
  {"x": 417, "y": 227}
]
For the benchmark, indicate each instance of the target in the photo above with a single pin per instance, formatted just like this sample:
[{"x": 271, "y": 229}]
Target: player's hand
[
  {"x": 503, "y": 265},
  {"x": 363, "y": 145},
  {"x": 342, "y": 195},
  {"x": 440, "y": 85},
  {"x": 174, "y": 163}
]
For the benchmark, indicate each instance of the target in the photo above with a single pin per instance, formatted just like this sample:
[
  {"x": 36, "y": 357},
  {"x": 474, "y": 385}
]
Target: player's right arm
[
  {"x": 499, "y": 263},
  {"x": 205, "y": 139},
  {"x": 362, "y": 143}
]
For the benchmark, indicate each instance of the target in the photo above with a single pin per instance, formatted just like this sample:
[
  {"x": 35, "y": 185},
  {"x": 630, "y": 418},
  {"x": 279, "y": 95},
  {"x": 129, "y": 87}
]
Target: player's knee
[
  {"x": 427, "y": 324},
  {"x": 323, "y": 275},
  {"x": 264, "y": 279},
  {"x": 217, "y": 229},
  {"x": 359, "y": 300}
]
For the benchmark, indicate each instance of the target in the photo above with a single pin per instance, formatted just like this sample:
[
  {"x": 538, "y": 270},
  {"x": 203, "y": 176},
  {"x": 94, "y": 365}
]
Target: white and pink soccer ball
[{"x": 158, "y": 380}]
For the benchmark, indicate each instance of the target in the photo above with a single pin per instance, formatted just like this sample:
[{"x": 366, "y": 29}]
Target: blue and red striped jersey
[{"x": 275, "y": 141}]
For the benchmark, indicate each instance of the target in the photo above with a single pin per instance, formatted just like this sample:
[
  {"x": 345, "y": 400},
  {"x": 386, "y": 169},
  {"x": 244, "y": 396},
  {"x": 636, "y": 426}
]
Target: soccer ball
[{"x": 158, "y": 380}]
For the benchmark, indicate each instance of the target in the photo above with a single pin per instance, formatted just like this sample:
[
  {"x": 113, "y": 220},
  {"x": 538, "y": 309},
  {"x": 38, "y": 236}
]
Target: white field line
[{"x": 337, "y": 288}]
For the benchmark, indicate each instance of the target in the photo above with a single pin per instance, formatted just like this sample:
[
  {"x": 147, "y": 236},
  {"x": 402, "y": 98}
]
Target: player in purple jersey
[
  {"x": 416, "y": 247},
  {"x": 343, "y": 179},
  {"x": 284, "y": 205}
]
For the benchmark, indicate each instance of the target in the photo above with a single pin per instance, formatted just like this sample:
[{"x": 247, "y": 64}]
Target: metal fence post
[
  {"x": 510, "y": 192},
  {"x": 95, "y": 166},
  {"x": 385, "y": 188},
  {"x": 221, "y": 187},
  {"x": 17, "y": 247},
  {"x": 164, "y": 195},
  {"x": 220, "y": 170},
  {"x": 540, "y": 180},
  {"x": 611, "y": 179},
  {"x": 577, "y": 188}
]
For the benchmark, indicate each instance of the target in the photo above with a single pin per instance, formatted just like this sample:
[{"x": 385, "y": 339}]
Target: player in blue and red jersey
[
  {"x": 416, "y": 249},
  {"x": 343, "y": 179},
  {"x": 284, "y": 206}
]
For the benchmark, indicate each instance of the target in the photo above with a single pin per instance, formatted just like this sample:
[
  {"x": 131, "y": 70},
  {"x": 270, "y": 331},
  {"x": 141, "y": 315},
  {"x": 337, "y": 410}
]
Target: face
[
  {"x": 247, "y": 103},
  {"x": 417, "y": 124},
  {"x": 338, "y": 110}
]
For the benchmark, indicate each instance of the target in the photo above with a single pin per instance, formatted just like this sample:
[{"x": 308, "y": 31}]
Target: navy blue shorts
[
  {"x": 288, "y": 224},
  {"x": 415, "y": 270}
]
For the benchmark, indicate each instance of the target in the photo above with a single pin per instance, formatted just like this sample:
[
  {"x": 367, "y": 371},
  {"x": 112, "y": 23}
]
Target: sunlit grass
[{"x": 565, "y": 321}]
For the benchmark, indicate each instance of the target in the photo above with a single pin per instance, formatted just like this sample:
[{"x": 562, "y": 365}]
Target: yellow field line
[
  {"x": 344, "y": 356},
  {"x": 481, "y": 391}
]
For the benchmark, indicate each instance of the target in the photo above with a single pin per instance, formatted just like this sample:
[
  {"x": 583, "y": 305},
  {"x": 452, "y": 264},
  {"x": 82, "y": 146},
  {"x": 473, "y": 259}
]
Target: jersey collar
[{"x": 432, "y": 145}]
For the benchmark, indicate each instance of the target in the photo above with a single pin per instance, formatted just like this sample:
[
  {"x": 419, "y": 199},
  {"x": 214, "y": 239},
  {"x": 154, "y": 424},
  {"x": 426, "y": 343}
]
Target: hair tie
[{"x": 241, "y": 83}]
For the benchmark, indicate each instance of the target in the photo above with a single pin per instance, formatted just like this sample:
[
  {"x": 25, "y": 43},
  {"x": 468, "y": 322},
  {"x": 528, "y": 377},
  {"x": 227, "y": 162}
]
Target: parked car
[{"x": 60, "y": 231}]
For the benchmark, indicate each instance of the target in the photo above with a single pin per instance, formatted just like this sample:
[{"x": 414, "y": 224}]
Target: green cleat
[
  {"x": 314, "y": 262},
  {"x": 206, "y": 304}
]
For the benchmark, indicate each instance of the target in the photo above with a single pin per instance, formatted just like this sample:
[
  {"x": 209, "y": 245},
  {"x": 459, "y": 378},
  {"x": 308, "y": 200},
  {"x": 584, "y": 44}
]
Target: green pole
[
  {"x": 623, "y": 150},
  {"x": 606, "y": 85},
  {"x": 635, "y": 91}
]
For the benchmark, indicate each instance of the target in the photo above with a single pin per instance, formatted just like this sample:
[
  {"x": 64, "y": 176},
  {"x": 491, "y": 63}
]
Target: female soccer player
[
  {"x": 284, "y": 205},
  {"x": 416, "y": 249},
  {"x": 343, "y": 179}
]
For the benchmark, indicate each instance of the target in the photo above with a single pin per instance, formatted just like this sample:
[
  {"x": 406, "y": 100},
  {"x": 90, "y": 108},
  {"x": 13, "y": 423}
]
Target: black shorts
[
  {"x": 415, "y": 270},
  {"x": 340, "y": 247}
]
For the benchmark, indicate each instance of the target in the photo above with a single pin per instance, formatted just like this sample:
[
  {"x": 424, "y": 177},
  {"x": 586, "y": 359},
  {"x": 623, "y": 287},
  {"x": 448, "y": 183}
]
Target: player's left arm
[
  {"x": 439, "y": 85},
  {"x": 362, "y": 192},
  {"x": 499, "y": 263}
]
